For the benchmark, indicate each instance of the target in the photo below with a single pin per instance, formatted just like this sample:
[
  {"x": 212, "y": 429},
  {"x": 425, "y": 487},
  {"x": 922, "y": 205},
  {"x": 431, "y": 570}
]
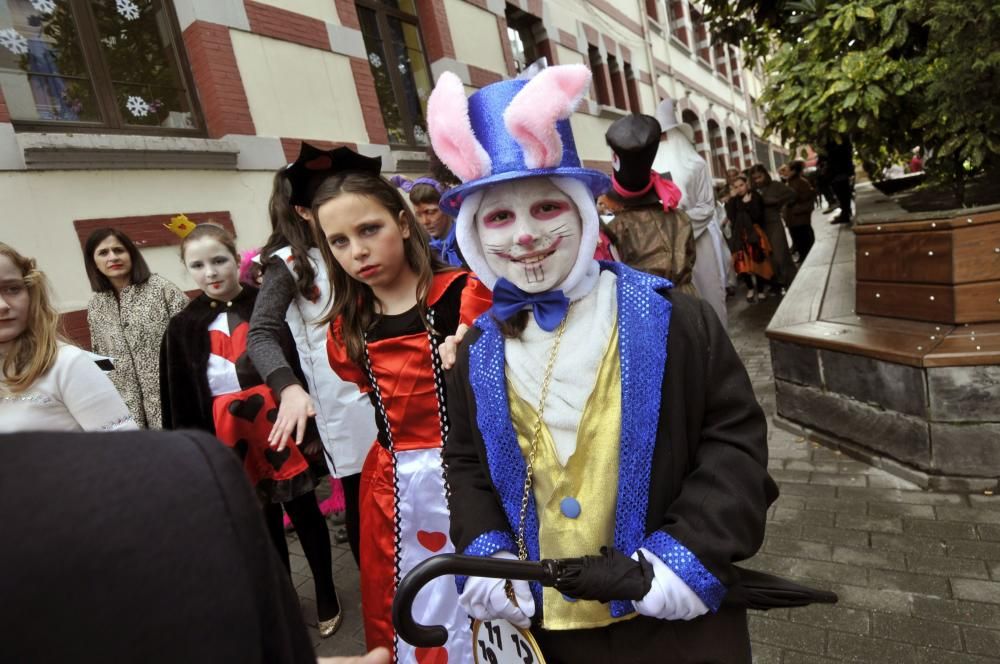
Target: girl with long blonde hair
[{"x": 46, "y": 383}]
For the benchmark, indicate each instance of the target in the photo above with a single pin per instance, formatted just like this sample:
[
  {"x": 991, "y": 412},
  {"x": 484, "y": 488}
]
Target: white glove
[
  {"x": 486, "y": 599},
  {"x": 669, "y": 598}
]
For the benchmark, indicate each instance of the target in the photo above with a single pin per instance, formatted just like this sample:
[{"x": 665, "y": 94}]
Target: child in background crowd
[
  {"x": 46, "y": 384},
  {"x": 296, "y": 295},
  {"x": 208, "y": 382},
  {"x": 425, "y": 196},
  {"x": 394, "y": 304}
]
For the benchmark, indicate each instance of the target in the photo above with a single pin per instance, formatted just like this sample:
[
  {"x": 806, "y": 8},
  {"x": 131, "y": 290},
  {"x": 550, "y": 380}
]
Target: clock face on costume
[
  {"x": 530, "y": 233},
  {"x": 499, "y": 642}
]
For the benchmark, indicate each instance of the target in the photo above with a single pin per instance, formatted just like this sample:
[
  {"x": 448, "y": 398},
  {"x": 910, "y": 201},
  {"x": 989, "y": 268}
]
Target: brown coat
[
  {"x": 799, "y": 211},
  {"x": 658, "y": 242}
]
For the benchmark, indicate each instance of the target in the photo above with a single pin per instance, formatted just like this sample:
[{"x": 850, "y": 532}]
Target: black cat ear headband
[{"x": 314, "y": 165}]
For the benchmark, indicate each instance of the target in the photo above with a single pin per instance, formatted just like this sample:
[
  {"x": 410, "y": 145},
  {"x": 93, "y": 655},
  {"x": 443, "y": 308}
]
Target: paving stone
[
  {"x": 908, "y": 543},
  {"x": 818, "y": 570},
  {"x": 862, "y": 522},
  {"x": 792, "y": 657},
  {"x": 814, "y": 466},
  {"x": 790, "y": 475},
  {"x": 787, "y": 635},
  {"x": 989, "y": 532},
  {"x": 985, "y": 502},
  {"x": 835, "y": 535},
  {"x": 888, "y": 510},
  {"x": 877, "y": 599},
  {"x": 935, "y": 656},
  {"x": 831, "y": 616},
  {"x": 994, "y": 571},
  {"x": 838, "y": 479},
  {"x": 967, "y": 514},
  {"x": 982, "y": 641},
  {"x": 969, "y": 549},
  {"x": 908, "y": 582},
  {"x": 869, "y": 557},
  {"x": 783, "y": 530},
  {"x": 807, "y": 490},
  {"x": 901, "y": 496},
  {"x": 854, "y": 648},
  {"x": 942, "y": 529},
  {"x": 976, "y": 591},
  {"x": 804, "y": 517},
  {"x": 917, "y": 631},
  {"x": 764, "y": 654},
  {"x": 957, "y": 611},
  {"x": 837, "y": 505},
  {"x": 947, "y": 566},
  {"x": 798, "y": 548}
]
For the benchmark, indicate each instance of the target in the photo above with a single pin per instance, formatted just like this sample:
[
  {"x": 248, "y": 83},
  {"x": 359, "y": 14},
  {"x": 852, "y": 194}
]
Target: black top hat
[
  {"x": 313, "y": 166},
  {"x": 633, "y": 140}
]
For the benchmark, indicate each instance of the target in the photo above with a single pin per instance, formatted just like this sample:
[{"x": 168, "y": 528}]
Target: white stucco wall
[
  {"x": 298, "y": 91},
  {"x": 475, "y": 35},
  {"x": 39, "y": 209}
]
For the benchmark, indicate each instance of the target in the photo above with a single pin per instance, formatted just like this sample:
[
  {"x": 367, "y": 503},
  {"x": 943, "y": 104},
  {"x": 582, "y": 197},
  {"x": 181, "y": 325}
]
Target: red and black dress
[
  {"x": 404, "y": 513},
  {"x": 207, "y": 382}
]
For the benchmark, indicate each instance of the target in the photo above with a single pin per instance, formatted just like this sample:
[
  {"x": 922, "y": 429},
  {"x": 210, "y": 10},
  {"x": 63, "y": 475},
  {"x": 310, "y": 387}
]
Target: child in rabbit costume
[{"x": 622, "y": 401}]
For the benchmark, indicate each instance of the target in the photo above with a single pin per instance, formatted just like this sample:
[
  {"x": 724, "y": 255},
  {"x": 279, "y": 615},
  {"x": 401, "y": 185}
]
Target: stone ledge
[{"x": 49, "y": 151}]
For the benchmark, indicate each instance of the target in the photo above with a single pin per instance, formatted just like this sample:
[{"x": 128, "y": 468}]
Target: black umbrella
[{"x": 611, "y": 575}]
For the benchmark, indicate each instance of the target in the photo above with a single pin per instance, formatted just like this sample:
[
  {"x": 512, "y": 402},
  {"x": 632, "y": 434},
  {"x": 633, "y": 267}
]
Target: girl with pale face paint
[
  {"x": 530, "y": 233},
  {"x": 209, "y": 383}
]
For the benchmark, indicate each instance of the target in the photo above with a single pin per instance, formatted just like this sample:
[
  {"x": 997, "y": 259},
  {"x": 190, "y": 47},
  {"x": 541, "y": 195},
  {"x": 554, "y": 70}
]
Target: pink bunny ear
[
  {"x": 451, "y": 131},
  {"x": 531, "y": 117}
]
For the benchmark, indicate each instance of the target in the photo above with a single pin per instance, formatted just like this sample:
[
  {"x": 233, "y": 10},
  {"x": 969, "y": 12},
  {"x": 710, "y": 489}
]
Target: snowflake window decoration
[
  {"x": 127, "y": 9},
  {"x": 375, "y": 60},
  {"x": 137, "y": 106},
  {"x": 419, "y": 134},
  {"x": 44, "y": 6},
  {"x": 13, "y": 41}
]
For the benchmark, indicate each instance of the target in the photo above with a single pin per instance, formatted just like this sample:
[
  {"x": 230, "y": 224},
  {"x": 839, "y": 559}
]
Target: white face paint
[{"x": 529, "y": 231}]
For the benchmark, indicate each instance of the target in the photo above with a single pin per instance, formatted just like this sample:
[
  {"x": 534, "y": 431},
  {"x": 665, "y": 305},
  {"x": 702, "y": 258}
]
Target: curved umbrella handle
[{"x": 428, "y": 636}]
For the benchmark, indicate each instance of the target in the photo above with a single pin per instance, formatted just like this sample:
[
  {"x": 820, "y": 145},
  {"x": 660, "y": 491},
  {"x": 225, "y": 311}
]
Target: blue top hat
[{"x": 505, "y": 156}]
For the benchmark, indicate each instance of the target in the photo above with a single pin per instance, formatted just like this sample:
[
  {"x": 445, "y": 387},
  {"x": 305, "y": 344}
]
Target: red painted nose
[{"x": 525, "y": 240}]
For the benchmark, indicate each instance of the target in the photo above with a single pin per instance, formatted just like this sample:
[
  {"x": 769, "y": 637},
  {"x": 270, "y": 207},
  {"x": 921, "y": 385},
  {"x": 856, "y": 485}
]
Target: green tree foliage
[{"x": 890, "y": 74}]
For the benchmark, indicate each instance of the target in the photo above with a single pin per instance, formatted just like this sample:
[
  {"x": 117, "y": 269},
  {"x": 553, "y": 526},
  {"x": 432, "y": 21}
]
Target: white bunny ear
[
  {"x": 531, "y": 117},
  {"x": 451, "y": 130}
]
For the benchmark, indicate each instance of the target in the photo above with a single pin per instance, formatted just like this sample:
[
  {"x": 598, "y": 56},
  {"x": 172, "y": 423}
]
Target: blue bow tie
[{"x": 549, "y": 307}]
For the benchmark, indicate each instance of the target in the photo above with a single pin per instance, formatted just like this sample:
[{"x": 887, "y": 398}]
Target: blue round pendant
[{"x": 570, "y": 507}]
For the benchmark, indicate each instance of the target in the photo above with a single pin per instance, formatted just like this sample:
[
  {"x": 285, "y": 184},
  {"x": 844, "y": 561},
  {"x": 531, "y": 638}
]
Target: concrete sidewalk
[{"x": 918, "y": 573}]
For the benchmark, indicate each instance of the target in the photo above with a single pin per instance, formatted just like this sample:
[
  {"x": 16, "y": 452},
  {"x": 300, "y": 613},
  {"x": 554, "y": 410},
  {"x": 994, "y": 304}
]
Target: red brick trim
[
  {"x": 148, "y": 231},
  {"x": 74, "y": 326},
  {"x": 508, "y": 54},
  {"x": 568, "y": 40},
  {"x": 661, "y": 66},
  {"x": 286, "y": 25},
  {"x": 347, "y": 13},
  {"x": 535, "y": 8},
  {"x": 611, "y": 46},
  {"x": 435, "y": 30},
  {"x": 618, "y": 16},
  {"x": 644, "y": 77},
  {"x": 479, "y": 77},
  {"x": 591, "y": 35},
  {"x": 546, "y": 50},
  {"x": 217, "y": 80},
  {"x": 291, "y": 146},
  {"x": 4, "y": 112},
  {"x": 364, "y": 84},
  {"x": 482, "y": 4}
]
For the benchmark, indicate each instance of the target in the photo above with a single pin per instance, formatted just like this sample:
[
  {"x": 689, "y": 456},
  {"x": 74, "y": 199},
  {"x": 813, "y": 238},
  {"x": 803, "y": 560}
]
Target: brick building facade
[{"x": 131, "y": 113}]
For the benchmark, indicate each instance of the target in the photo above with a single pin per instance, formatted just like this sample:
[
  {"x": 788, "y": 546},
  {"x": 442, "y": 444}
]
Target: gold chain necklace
[{"x": 522, "y": 549}]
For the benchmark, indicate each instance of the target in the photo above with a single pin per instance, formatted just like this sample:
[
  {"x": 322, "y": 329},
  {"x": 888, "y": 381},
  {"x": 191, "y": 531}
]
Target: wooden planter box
[{"x": 937, "y": 270}]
